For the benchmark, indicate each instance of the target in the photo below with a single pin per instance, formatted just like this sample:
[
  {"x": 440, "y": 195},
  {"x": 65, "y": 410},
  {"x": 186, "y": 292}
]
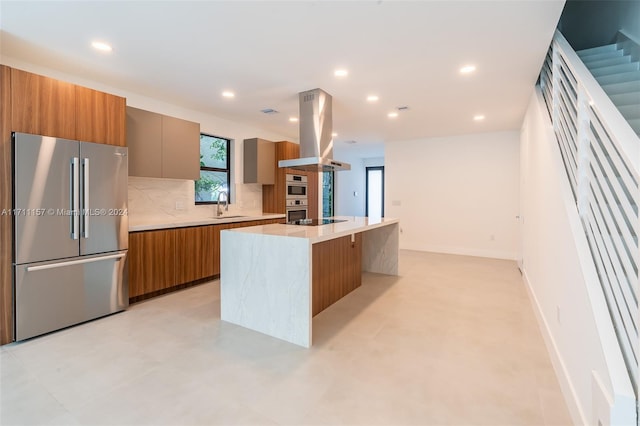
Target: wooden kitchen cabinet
[
  {"x": 312, "y": 189},
  {"x": 152, "y": 261},
  {"x": 6, "y": 236},
  {"x": 337, "y": 270},
  {"x": 216, "y": 247},
  {"x": 100, "y": 117},
  {"x": 274, "y": 196},
  {"x": 171, "y": 259},
  {"x": 195, "y": 253},
  {"x": 45, "y": 106},
  {"x": 42, "y": 106},
  {"x": 162, "y": 146}
]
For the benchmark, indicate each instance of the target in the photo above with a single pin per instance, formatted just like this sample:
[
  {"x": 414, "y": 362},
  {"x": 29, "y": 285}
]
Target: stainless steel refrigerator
[{"x": 70, "y": 232}]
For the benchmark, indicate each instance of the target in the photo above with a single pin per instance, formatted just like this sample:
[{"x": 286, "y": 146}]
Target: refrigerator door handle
[
  {"x": 75, "y": 262},
  {"x": 73, "y": 215},
  {"x": 85, "y": 198}
]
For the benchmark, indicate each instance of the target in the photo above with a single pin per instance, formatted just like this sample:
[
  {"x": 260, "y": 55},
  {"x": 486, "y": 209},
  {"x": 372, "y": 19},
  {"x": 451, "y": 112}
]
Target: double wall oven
[{"x": 297, "y": 200}]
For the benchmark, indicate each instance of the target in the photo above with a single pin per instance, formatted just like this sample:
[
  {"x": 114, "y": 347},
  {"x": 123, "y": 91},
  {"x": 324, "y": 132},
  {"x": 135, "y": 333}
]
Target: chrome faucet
[{"x": 226, "y": 203}]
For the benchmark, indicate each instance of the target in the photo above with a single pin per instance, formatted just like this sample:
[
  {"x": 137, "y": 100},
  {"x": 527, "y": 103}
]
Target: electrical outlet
[
  {"x": 179, "y": 205},
  {"x": 492, "y": 237},
  {"x": 558, "y": 314}
]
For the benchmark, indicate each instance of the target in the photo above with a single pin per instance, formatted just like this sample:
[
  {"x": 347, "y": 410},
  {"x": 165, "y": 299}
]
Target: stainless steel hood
[{"x": 316, "y": 142}]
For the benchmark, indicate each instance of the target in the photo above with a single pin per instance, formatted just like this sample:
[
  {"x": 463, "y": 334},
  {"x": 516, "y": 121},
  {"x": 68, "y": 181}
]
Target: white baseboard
[
  {"x": 494, "y": 254},
  {"x": 568, "y": 390}
]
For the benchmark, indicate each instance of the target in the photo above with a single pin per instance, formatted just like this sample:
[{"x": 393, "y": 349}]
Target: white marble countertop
[
  {"x": 150, "y": 223},
  {"x": 316, "y": 234}
]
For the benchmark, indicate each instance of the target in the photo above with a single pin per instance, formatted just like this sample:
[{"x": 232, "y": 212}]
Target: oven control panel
[{"x": 297, "y": 203}]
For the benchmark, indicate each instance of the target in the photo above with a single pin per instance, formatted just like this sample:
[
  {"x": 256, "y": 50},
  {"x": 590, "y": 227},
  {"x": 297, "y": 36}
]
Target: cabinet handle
[
  {"x": 75, "y": 262},
  {"x": 74, "y": 201},
  {"x": 85, "y": 198}
]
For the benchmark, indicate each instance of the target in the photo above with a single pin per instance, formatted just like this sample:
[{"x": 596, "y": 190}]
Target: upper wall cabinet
[
  {"x": 45, "y": 106},
  {"x": 259, "y": 158},
  {"x": 162, "y": 146},
  {"x": 180, "y": 148},
  {"x": 144, "y": 135},
  {"x": 100, "y": 117},
  {"x": 42, "y": 105}
]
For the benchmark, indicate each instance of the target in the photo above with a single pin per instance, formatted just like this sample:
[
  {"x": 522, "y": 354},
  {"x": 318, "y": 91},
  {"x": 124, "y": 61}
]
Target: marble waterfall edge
[
  {"x": 265, "y": 276},
  {"x": 380, "y": 249}
]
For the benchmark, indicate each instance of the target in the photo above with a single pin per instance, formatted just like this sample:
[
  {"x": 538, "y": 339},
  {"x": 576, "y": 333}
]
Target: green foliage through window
[
  {"x": 327, "y": 193},
  {"x": 214, "y": 169}
]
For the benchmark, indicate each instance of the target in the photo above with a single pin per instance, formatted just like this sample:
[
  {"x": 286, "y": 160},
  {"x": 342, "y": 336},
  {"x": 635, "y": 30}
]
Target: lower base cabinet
[
  {"x": 194, "y": 259},
  {"x": 151, "y": 260},
  {"x": 337, "y": 270},
  {"x": 167, "y": 259}
]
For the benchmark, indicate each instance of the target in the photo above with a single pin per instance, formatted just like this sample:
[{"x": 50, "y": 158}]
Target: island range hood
[{"x": 316, "y": 142}]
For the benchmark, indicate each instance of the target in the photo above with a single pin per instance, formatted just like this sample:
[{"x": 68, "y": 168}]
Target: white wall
[
  {"x": 455, "y": 194},
  {"x": 354, "y": 181},
  {"x": 563, "y": 283}
]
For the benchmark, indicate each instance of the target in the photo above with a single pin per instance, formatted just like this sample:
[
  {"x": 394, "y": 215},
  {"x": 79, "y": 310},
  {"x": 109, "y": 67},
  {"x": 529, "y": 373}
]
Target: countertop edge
[
  {"x": 202, "y": 222},
  {"x": 357, "y": 230},
  {"x": 320, "y": 238}
]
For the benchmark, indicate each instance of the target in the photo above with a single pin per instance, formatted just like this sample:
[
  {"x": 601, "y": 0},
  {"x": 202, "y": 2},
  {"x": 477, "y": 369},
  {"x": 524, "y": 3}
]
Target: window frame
[{"x": 226, "y": 170}]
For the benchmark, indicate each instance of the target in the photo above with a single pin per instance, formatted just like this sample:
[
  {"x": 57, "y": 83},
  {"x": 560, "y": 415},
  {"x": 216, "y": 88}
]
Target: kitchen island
[{"x": 275, "y": 278}]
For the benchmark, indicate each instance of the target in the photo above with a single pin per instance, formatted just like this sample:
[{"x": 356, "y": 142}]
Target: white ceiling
[{"x": 406, "y": 52}]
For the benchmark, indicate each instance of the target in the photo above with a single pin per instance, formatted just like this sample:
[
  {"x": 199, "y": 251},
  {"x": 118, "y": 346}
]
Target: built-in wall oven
[
  {"x": 296, "y": 186},
  {"x": 296, "y": 199},
  {"x": 296, "y": 210}
]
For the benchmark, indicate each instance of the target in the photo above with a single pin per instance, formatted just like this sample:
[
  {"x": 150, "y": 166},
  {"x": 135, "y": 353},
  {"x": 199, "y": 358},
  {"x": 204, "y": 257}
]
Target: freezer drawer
[{"x": 53, "y": 295}]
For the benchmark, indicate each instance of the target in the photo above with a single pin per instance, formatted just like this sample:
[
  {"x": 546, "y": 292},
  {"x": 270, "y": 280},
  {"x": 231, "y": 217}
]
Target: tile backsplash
[{"x": 155, "y": 199}]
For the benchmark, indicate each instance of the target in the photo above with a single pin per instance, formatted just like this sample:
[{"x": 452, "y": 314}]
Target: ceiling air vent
[
  {"x": 403, "y": 108},
  {"x": 269, "y": 111}
]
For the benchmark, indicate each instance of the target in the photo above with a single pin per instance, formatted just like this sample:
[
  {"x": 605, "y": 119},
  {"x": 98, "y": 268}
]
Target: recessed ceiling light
[
  {"x": 102, "y": 46},
  {"x": 479, "y": 117},
  {"x": 467, "y": 69},
  {"x": 334, "y": 134},
  {"x": 228, "y": 94},
  {"x": 392, "y": 115},
  {"x": 293, "y": 119},
  {"x": 341, "y": 73},
  {"x": 372, "y": 98}
]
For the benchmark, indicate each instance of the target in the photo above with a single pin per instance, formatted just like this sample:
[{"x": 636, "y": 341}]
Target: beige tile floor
[{"x": 452, "y": 341}]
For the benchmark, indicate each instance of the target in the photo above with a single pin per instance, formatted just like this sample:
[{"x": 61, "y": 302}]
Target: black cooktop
[{"x": 315, "y": 222}]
